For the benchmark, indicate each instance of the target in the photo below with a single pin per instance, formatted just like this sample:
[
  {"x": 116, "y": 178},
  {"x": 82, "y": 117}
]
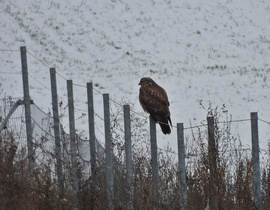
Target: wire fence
[
  {"x": 44, "y": 139},
  {"x": 19, "y": 126}
]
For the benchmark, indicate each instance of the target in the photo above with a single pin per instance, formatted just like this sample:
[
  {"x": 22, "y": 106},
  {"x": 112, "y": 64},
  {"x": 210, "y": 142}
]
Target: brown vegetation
[{"x": 234, "y": 174}]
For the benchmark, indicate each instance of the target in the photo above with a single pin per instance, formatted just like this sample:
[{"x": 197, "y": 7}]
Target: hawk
[{"x": 154, "y": 100}]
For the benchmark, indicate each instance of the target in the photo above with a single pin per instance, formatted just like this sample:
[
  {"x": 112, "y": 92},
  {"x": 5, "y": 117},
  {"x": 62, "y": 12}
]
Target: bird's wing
[{"x": 154, "y": 100}]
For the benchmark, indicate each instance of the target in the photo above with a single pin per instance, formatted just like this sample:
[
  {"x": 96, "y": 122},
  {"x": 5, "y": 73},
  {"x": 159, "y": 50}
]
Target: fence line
[
  {"x": 162, "y": 149},
  {"x": 119, "y": 104},
  {"x": 12, "y": 50},
  {"x": 113, "y": 165}
]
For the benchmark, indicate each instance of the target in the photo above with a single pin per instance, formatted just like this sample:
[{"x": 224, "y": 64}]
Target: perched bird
[{"x": 154, "y": 100}]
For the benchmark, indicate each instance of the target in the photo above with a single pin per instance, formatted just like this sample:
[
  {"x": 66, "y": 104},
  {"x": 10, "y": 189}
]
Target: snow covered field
[{"x": 199, "y": 51}]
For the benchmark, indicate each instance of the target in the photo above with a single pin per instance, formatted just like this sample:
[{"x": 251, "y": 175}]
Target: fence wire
[
  {"x": 43, "y": 135},
  {"x": 44, "y": 140},
  {"x": 16, "y": 124}
]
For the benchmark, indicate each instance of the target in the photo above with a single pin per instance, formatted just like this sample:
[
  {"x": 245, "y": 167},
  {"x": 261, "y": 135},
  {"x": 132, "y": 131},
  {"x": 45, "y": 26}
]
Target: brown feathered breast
[{"x": 154, "y": 100}]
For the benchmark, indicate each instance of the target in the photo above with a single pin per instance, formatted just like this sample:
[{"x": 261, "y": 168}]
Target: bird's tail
[
  {"x": 164, "y": 124},
  {"x": 165, "y": 127}
]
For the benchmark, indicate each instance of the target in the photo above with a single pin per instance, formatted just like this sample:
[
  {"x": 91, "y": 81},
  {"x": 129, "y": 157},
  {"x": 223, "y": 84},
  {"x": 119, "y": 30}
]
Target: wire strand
[
  {"x": 45, "y": 64},
  {"x": 3, "y": 72},
  {"x": 267, "y": 122},
  {"x": 39, "y": 82},
  {"x": 61, "y": 76},
  {"x": 9, "y": 50}
]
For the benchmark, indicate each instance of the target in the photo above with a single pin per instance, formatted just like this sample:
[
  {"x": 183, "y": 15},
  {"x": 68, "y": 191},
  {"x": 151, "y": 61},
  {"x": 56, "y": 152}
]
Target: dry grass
[{"x": 234, "y": 177}]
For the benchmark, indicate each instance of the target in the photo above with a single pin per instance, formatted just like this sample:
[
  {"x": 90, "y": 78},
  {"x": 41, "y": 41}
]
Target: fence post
[
  {"x": 128, "y": 154},
  {"x": 154, "y": 162},
  {"x": 58, "y": 153},
  {"x": 92, "y": 140},
  {"x": 212, "y": 154},
  {"x": 31, "y": 161},
  {"x": 256, "y": 161},
  {"x": 108, "y": 151},
  {"x": 182, "y": 166},
  {"x": 72, "y": 137}
]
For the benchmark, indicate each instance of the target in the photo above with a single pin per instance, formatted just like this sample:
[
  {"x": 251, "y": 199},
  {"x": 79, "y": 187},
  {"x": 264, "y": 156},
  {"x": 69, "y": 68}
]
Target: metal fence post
[
  {"x": 212, "y": 154},
  {"x": 74, "y": 167},
  {"x": 31, "y": 160},
  {"x": 256, "y": 161},
  {"x": 154, "y": 162},
  {"x": 92, "y": 140},
  {"x": 108, "y": 150},
  {"x": 58, "y": 153},
  {"x": 128, "y": 155},
  {"x": 182, "y": 166}
]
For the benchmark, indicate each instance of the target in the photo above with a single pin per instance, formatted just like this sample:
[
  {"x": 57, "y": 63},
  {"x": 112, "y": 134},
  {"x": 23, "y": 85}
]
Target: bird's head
[{"x": 145, "y": 81}]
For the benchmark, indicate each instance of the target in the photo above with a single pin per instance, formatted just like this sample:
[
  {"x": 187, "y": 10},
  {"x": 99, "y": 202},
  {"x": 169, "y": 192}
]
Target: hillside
[{"x": 200, "y": 52}]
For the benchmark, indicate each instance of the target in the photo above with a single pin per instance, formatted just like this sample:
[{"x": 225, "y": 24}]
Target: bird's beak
[{"x": 139, "y": 83}]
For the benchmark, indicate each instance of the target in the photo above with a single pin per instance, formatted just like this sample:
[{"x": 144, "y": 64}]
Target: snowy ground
[{"x": 199, "y": 51}]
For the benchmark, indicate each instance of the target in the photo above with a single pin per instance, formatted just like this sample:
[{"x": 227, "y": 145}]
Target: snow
[{"x": 199, "y": 51}]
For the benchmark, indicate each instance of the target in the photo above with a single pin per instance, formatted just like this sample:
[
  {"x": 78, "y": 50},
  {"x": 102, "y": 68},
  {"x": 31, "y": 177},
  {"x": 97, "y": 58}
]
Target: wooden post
[
  {"x": 212, "y": 154},
  {"x": 74, "y": 167},
  {"x": 154, "y": 162},
  {"x": 108, "y": 151},
  {"x": 182, "y": 166},
  {"x": 58, "y": 153},
  {"x": 256, "y": 161},
  {"x": 31, "y": 160},
  {"x": 128, "y": 155},
  {"x": 92, "y": 140}
]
